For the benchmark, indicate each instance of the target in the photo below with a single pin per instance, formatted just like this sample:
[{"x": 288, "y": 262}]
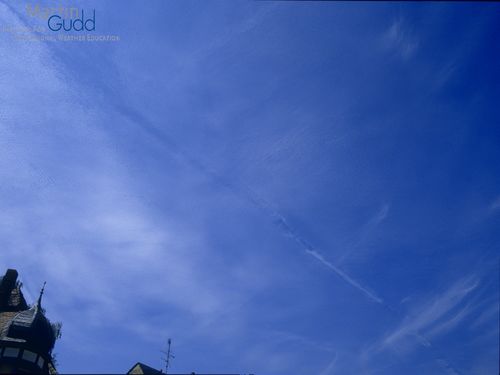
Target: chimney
[{"x": 6, "y": 285}]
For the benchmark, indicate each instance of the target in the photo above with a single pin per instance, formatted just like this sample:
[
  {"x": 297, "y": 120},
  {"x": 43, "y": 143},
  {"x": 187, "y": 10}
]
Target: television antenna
[{"x": 168, "y": 355}]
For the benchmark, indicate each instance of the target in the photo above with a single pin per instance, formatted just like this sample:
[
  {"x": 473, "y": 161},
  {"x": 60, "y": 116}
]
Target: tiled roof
[
  {"x": 33, "y": 326},
  {"x": 15, "y": 318},
  {"x": 25, "y": 318},
  {"x": 16, "y": 306},
  {"x": 5, "y": 319}
]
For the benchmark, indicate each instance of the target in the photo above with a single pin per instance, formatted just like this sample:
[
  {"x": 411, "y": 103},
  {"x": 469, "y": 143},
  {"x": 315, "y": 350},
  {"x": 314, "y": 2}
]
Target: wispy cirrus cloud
[
  {"x": 490, "y": 314},
  {"x": 367, "y": 229},
  {"x": 495, "y": 205},
  {"x": 434, "y": 316},
  {"x": 399, "y": 38},
  {"x": 329, "y": 369},
  {"x": 427, "y": 321}
]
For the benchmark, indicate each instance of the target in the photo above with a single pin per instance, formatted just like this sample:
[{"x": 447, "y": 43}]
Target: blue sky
[{"x": 280, "y": 187}]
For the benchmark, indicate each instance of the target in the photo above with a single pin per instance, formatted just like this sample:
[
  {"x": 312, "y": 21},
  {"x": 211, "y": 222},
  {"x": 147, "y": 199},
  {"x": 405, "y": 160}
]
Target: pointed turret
[{"x": 26, "y": 336}]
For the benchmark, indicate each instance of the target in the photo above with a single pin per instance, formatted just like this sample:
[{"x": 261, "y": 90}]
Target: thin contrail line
[
  {"x": 280, "y": 221},
  {"x": 344, "y": 276},
  {"x": 245, "y": 193}
]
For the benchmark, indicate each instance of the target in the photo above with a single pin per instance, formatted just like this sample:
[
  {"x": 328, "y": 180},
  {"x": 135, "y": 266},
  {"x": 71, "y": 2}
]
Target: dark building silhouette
[
  {"x": 140, "y": 368},
  {"x": 26, "y": 336}
]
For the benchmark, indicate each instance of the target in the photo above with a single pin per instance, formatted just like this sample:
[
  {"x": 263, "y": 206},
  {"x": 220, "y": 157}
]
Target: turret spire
[{"x": 39, "y": 302}]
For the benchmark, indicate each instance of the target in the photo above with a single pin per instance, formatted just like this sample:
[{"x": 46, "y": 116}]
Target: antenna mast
[{"x": 168, "y": 355}]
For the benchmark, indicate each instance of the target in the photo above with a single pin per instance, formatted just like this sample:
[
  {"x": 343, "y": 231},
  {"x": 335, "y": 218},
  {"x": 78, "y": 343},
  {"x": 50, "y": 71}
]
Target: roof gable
[{"x": 141, "y": 368}]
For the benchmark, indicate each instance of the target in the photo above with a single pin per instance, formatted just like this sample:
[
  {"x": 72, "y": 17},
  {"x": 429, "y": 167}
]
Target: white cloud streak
[
  {"x": 282, "y": 223},
  {"x": 433, "y": 318},
  {"x": 328, "y": 370},
  {"x": 398, "y": 38},
  {"x": 366, "y": 231},
  {"x": 344, "y": 276},
  {"x": 425, "y": 321},
  {"x": 495, "y": 205}
]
